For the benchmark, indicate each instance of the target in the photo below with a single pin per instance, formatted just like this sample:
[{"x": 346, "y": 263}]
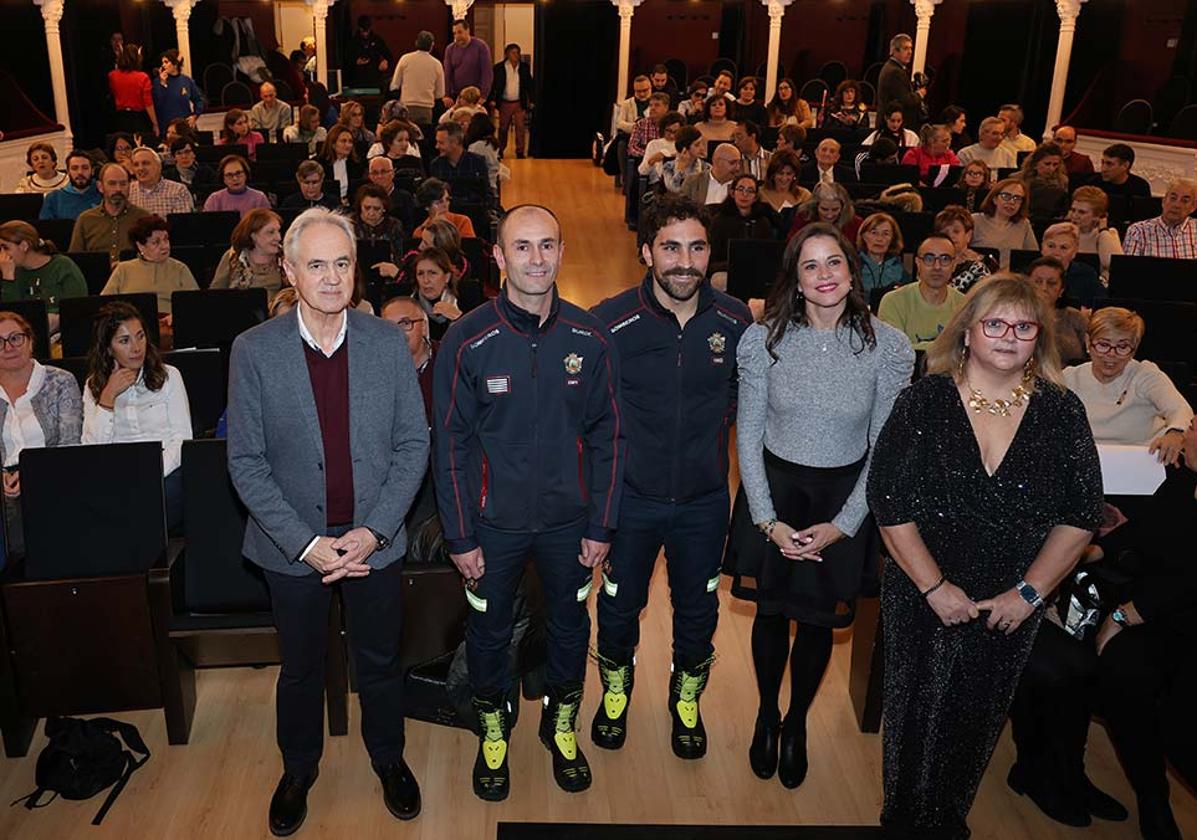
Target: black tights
[{"x": 808, "y": 663}]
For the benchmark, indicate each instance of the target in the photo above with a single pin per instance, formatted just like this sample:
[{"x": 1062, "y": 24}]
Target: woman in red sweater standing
[{"x": 132, "y": 94}]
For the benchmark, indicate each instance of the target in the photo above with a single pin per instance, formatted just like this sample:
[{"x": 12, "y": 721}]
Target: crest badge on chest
[
  {"x": 717, "y": 342},
  {"x": 573, "y": 364}
]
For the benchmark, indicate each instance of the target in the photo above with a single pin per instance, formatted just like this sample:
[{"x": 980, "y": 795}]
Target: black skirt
[{"x": 822, "y": 594}]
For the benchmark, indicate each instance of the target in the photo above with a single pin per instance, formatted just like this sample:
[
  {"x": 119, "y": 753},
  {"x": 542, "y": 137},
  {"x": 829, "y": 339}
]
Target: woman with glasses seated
[
  {"x": 742, "y": 215},
  {"x": 132, "y": 396},
  {"x": 1002, "y": 221},
  {"x": 237, "y": 194},
  {"x": 39, "y": 406},
  {"x": 153, "y": 270}
]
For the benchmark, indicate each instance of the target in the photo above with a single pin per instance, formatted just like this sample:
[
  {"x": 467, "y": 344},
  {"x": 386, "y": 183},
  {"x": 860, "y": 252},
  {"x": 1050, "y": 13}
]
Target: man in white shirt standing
[
  {"x": 511, "y": 93},
  {"x": 420, "y": 79}
]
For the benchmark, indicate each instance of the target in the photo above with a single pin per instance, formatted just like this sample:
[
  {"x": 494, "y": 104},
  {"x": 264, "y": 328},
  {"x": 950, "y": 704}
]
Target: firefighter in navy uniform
[
  {"x": 676, "y": 337},
  {"x": 528, "y": 460}
]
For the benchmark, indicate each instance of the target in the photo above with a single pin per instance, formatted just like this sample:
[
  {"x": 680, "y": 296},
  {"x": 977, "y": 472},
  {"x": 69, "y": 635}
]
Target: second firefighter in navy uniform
[
  {"x": 676, "y": 337},
  {"x": 528, "y": 460}
]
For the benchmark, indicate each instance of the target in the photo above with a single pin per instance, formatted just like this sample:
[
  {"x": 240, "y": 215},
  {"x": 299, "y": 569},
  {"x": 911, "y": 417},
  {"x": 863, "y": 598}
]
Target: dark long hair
[
  {"x": 100, "y": 359},
  {"x": 785, "y": 306}
]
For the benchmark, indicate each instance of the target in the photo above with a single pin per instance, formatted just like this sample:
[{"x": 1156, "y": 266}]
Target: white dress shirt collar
[{"x": 311, "y": 341}]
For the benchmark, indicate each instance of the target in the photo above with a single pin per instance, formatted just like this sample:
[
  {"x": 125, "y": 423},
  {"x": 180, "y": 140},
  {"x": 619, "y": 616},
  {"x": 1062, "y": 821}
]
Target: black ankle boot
[
  {"x": 1100, "y": 804},
  {"x": 492, "y": 778},
  {"x": 609, "y": 729},
  {"x": 289, "y": 804},
  {"x": 686, "y": 684},
  {"x": 1061, "y": 802},
  {"x": 558, "y": 722},
  {"x": 762, "y": 754},
  {"x": 791, "y": 763},
  {"x": 1156, "y": 821}
]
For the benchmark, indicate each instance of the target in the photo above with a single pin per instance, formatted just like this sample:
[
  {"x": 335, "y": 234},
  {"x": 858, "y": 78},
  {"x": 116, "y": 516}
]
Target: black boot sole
[
  {"x": 565, "y": 784},
  {"x": 289, "y": 831}
]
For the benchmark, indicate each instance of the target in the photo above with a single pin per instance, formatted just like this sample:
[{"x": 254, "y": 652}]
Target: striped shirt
[{"x": 1154, "y": 238}]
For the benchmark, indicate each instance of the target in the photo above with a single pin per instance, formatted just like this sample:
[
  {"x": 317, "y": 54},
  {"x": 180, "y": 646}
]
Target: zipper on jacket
[
  {"x": 535, "y": 345},
  {"x": 677, "y": 420},
  {"x": 582, "y": 472},
  {"x": 485, "y": 483}
]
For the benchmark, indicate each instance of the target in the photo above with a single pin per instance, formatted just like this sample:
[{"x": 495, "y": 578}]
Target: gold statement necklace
[{"x": 978, "y": 402}]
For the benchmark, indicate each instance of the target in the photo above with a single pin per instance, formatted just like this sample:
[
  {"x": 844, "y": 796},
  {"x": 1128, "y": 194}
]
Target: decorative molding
[
  {"x": 181, "y": 9},
  {"x": 460, "y": 8},
  {"x": 1158, "y": 163},
  {"x": 51, "y": 13},
  {"x": 924, "y": 9},
  {"x": 1069, "y": 9}
]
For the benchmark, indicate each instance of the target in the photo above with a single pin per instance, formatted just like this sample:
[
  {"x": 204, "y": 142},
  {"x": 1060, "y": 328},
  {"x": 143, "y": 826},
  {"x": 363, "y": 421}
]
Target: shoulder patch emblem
[
  {"x": 717, "y": 342},
  {"x": 573, "y": 364}
]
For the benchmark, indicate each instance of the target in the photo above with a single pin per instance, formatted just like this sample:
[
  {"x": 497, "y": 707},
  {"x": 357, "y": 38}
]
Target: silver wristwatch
[{"x": 1029, "y": 593}]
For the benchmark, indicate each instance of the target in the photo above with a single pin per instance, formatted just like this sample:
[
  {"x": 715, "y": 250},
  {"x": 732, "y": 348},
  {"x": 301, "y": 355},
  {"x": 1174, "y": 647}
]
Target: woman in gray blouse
[
  {"x": 817, "y": 380},
  {"x": 39, "y": 406}
]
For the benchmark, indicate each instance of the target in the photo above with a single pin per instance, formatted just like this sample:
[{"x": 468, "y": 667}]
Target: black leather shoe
[
  {"x": 400, "y": 791},
  {"x": 1052, "y": 799},
  {"x": 1155, "y": 819},
  {"x": 1100, "y": 804},
  {"x": 762, "y": 754},
  {"x": 289, "y": 805},
  {"x": 792, "y": 764}
]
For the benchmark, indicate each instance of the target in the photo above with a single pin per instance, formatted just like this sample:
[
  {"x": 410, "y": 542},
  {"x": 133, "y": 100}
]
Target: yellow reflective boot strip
[
  {"x": 584, "y": 592},
  {"x": 610, "y": 588},
  {"x": 713, "y": 584},
  {"x": 477, "y": 603}
]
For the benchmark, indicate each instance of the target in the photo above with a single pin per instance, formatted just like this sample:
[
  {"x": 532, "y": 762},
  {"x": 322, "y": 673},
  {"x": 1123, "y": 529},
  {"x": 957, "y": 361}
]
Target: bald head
[
  {"x": 527, "y": 214},
  {"x": 827, "y": 153},
  {"x": 268, "y": 93},
  {"x": 725, "y": 162}
]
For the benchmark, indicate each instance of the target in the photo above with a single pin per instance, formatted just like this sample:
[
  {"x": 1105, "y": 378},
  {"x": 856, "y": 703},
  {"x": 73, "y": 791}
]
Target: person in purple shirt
[
  {"x": 467, "y": 62},
  {"x": 237, "y": 194}
]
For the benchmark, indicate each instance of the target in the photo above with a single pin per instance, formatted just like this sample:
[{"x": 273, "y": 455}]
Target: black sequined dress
[{"x": 948, "y": 689}]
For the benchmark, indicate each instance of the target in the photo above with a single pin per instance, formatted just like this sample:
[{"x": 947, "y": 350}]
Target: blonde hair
[
  {"x": 1063, "y": 229},
  {"x": 829, "y": 192},
  {"x": 947, "y": 352},
  {"x": 1116, "y": 319}
]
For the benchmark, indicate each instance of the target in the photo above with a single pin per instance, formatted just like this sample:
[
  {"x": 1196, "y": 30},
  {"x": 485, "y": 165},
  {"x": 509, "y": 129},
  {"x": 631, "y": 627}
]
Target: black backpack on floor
[{"x": 84, "y": 757}]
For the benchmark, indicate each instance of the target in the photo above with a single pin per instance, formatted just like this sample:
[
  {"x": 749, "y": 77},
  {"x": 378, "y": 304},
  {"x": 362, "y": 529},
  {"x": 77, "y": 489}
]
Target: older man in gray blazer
[
  {"x": 710, "y": 186},
  {"x": 328, "y": 444}
]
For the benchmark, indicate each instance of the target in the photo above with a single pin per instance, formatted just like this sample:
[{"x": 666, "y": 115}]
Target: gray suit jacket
[
  {"x": 695, "y": 186},
  {"x": 276, "y": 452}
]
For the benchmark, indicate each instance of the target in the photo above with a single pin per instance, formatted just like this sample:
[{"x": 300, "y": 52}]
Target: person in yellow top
[
  {"x": 922, "y": 309},
  {"x": 153, "y": 270}
]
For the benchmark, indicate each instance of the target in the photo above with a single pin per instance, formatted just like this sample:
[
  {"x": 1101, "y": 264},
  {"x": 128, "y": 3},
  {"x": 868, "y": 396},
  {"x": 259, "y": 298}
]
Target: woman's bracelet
[
  {"x": 767, "y": 527},
  {"x": 942, "y": 580}
]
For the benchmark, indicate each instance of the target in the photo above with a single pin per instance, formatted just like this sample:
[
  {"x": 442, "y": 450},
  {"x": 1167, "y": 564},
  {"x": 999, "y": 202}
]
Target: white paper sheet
[{"x": 1129, "y": 470}]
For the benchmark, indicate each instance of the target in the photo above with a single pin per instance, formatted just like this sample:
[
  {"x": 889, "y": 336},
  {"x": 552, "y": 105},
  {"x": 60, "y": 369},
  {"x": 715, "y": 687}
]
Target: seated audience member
[
  {"x": 788, "y": 108},
  {"x": 716, "y": 125},
  {"x": 254, "y": 258},
  {"x": 630, "y": 110},
  {"x": 1075, "y": 163},
  {"x": 754, "y": 158},
  {"x": 270, "y": 115},
  {"x": 1082, "y": 285},
  {"x": 436, "y": 289},
  {"x": 307, "y": 130},
  {"x": 956, "y": 223},
  {"x": 693, "y": 107},
  {"x": 439, "y": 234},
  {"x": 120, "y": 149},
  {"x": 662, "y": 84},
  {"x": 1047, "y": 184},
  {"x": 465, "y": 172},
  {"x": 722, "y": 86},
  {"x": 746, "y": 108},
  {"x": 828, "y": 203},
  {"x": 178, "y": 129},
  {"x": 921, "y": 310},
  {"x": 237, "y": 194},
  {"x": 973, "y": 185},
  {"x": 353, "y": 117},
  {"x": 742, "y": 215},
  {"x": 340, "y": 160},
  {"x": 433, "y": 196},
  {"x": 176, "y": 96},
  {"x": 648, "y": 128},
  {"x": 1089, "y": 208},
  {"x": 407, "y": 314},
  {"x": 1014, "y": 140},
  {"x": 892, "y": 128},
  {"x": 879, "y": 244},
  {"x": 153, "y": 269},
  {"x": 80, "y": 192},
  {"x": 691, "y": 148},
  {"x": 781, "y": 188},
  {"x": 310, "y": 177},
  {"x": 397, "y": 142},
  {"x": 662, "y": 148},
  {"x": 1069, "y": 328},
  {"x": 371, "y": 222},
  {"x": 1002, "y": 221},
  {"x": 105, "y": 227},
  {"x": 1115, "y": 178},
  {"x": 236, "y": 131},
  {"x": 791, "y": 137},
  {"x": 882, "y": 152},
  {"x": 1171, "y": 234},
  {"x": 31, "y": 268},
  {"x": 989, "y": 149},
  {"x": 826, "y": 168},
  {"x": 468, "y": 103},
  {"x": 710, "y": 186},
  {"x": 131, "y": 396},
  {"x": 381, "y": 171},
  {"x": 317, "y": 96},
  {"x": 956, "y": 120},
  {"x": 480, "y": 140},
  {"x": 39, "y": 406},
  {"x": 845, "y": 110},
  {"x": 283, "y": 302},
  {"x": 1128, "y": 401},
  {"x": 934, "y": 150},
  {"x": 153, "y": 193},
  {"x": 186, "y": 168},
  {"x": 43, "y": 175}
]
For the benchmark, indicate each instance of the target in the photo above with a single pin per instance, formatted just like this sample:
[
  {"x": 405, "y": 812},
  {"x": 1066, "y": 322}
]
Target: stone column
[
  {"x": 923, "y": 10},
  {"x": 51, "y": 16},
  {"x": 182, "y": 12},
  {"x": 777, "y": 8},
  {"x": 320, "y": 23},
  {"x": 626, "y": 9},
  {"x": 1068, "y": 11}
]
